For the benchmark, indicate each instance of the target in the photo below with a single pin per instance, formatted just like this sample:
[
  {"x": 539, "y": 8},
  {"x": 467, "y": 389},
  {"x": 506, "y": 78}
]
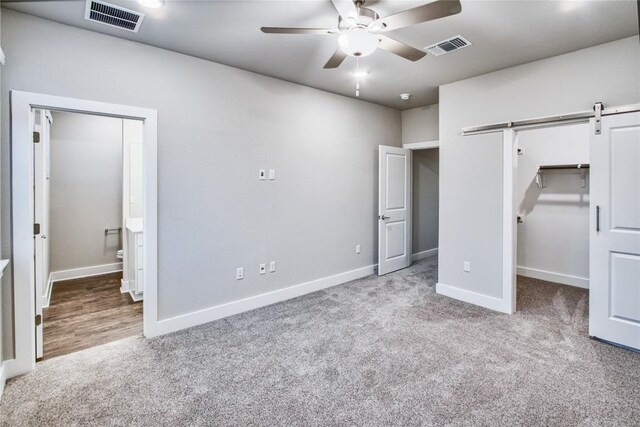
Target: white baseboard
[
  {"x": 46, "y": 298},
  {"x": 235, "y": 307},
  {"x": 425, "y": 254},
  {"x": 4, "y": 374},
  {"x": 77, "y": 273},
  {"x": 549, "y": 276},
  {"x": 486, "y": 301},
  {"x": 3, "y": 380}
]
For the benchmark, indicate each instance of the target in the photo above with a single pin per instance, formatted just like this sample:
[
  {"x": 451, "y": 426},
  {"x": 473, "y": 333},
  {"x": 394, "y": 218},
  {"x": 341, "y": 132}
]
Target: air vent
[
  {"x": 112, "y": 15},
  {"x": 447, "y": 46}
]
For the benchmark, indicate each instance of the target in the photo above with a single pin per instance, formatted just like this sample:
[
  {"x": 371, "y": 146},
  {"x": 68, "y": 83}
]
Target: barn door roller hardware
[{"x": 598, "y": 112}]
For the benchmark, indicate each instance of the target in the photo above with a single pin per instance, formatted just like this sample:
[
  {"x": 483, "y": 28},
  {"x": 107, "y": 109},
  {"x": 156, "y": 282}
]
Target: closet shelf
[
  {"x": 577, "y": 166},
  {"x": 574, "y": 166}
]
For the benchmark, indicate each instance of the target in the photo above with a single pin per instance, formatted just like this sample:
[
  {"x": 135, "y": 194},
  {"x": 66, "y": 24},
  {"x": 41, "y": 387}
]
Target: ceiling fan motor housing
[{"x": 357, "y": 39}]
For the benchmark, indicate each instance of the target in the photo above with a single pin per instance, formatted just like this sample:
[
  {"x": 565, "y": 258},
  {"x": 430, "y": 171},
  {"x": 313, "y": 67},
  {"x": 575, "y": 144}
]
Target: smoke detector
[{"x": 405, "y": 96}]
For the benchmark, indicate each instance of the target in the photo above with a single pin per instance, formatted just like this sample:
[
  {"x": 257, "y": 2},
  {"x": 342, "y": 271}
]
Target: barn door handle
[{"x": 598, "y": 218}]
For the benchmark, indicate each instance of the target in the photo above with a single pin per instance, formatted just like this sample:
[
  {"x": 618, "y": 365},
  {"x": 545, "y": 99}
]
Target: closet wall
[
  {"x": 553, "y": 241},
  {"x": 420, "y": 125}
]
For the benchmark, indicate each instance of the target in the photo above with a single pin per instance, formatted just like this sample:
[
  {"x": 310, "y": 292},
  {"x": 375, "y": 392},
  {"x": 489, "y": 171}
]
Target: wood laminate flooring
[{"x": 87, "y": 312}]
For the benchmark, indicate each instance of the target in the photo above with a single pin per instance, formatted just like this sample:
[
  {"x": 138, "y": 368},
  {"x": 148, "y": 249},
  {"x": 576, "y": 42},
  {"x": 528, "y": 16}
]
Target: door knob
[{"x": 382, "y": 217}]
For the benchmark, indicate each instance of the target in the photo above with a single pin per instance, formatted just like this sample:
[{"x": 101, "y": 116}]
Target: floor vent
[
  {"x": 112, "y": 15},
  {"x": 447, "y": 46}
]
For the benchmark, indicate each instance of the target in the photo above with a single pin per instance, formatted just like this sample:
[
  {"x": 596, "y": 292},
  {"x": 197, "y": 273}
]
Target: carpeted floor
[{"x": 377, "y": 351}]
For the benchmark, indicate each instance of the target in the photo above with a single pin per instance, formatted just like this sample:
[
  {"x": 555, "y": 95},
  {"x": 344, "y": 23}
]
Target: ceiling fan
[{"x": 361, "y": 30}]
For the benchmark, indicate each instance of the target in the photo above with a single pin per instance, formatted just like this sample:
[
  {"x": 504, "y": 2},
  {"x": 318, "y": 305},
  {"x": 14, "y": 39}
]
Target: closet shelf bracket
[{"x": 580, "y": 167}]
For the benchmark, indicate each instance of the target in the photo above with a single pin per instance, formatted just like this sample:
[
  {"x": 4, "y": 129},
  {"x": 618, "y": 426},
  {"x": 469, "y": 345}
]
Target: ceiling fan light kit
[
  {"x": 358, "y": 42},
  {"x": 361, "y": 30}
]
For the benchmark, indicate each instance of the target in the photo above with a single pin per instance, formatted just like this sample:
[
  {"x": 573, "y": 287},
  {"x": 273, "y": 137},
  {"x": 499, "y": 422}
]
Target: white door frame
[{"x": 22, "y": 213}]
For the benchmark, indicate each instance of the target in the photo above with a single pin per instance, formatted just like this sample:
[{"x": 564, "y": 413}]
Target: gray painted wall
[
  {"x": 555, "y": 234},
  {"x": 420, "y": 124},
  {"x": 470, "y": 167},
  {"x": 425, "y": 199},
  {"x": 86, "y": 190},
  {"x": 217, "y": 126}
]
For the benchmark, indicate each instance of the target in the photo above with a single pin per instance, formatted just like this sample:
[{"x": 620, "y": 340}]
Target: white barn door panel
[
  {"x": 614, "y": 295},
  {"x": 394, "y": 209}
]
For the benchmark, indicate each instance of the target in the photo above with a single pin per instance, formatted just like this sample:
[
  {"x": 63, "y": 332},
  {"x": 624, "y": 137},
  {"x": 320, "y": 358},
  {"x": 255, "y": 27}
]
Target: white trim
[
  {"x": 471, "y": 297},
  {"x": 76, "y": 273},
  {"x": 46, "y": 298},
  {"x": 425, "y": 254},
  {"x": 3, "y": 376},
  {"x": 422, "y": 145},
  {"x": 21, "y": 104},
  {"x": 235, "y": 307},
  {"x": 509, "y": 223},
  {"x": 550, "y": 276}
]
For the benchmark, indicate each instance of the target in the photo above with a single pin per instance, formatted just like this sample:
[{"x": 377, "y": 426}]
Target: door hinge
[
  {"x": 36, "y": 137},
  {"x": 38, "y": 319},
  {"x": 36, "y": 229},
  {"x": 598, "y": 107}
]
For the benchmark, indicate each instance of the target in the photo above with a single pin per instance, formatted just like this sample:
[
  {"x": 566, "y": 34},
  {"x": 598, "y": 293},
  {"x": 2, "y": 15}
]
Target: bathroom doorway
[{"x": 89, "y": 230}]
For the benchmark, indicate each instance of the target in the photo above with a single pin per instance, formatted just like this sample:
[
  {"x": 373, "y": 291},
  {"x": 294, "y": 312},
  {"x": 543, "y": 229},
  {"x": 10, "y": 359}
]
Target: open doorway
[
  {"x": 88, "y": 215},
  {"x": 553, "y": 214},
  {"x": 408, "y": 205},
  {"x": 26, "y": 322}
]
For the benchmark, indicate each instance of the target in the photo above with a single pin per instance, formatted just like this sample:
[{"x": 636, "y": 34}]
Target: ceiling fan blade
[
  {"x": 346, "y": 8},
  {"x": 336, "y": 59},
  {"x": 424, "y": 13},
  {"x": 287, "y": 30},
  {"x": 400, "y": 49}
]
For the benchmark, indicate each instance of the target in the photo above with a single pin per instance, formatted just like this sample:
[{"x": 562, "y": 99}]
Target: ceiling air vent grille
[
  {"x": 114, "y": 16},
  {"x": 447, "y": 46}
]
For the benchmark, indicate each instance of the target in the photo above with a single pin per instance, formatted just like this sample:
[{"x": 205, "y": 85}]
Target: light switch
[
  {"x": 263, "y": 268},
  {"x": 272, "y": 267},
  {"x": 357, "y": 249},
  {"x": 262, "y": 175},
  {"x": 272, "y": 174}
]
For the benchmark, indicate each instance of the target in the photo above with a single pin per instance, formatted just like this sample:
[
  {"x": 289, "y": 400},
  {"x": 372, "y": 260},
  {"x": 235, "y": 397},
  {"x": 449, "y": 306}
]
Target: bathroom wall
[
  {"x": 553, "y": 241},
  {"x": 86, "y": 190},
  {"x": 132, "y": 161}
]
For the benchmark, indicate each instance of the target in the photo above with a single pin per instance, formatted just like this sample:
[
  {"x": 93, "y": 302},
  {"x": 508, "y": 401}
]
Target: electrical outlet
[
  {"x": 272, "y": 174},
  {"x": 262, "y": 175},
  {"x": 467, "y": 266},
  {"x": 263, "y": 268},
  {"x": 357, "y": 249},
  {"x": 239, "y": 273},
  {"x": 272, "y": 267}
]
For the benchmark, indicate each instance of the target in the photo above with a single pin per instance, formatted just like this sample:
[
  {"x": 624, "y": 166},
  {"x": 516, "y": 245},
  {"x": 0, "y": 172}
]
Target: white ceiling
[{"x": 502, "y": 33}]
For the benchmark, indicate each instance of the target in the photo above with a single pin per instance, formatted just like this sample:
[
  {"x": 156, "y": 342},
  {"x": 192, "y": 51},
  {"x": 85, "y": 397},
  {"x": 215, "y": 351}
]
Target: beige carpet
[{"x": 377, "y": 351}]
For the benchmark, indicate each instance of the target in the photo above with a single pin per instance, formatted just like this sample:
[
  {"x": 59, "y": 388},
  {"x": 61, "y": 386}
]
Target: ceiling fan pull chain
[{"x": 357, "y": 77}]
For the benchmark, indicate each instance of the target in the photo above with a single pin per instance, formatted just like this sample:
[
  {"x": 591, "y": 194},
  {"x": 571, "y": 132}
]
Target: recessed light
[
  {"x": 153, "y": 4},
  {"x": 359, "y": 74}
]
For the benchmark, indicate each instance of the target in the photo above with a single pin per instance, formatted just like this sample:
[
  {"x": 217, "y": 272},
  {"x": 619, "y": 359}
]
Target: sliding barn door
[
  {"x": 614, "y": 286},
  {"x": 394, "y": 209}
]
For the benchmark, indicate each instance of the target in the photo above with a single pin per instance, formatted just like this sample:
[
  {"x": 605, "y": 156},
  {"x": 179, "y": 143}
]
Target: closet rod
[
  {"x": 576, "y": 166},
  {"x": 582, "y": 116}
]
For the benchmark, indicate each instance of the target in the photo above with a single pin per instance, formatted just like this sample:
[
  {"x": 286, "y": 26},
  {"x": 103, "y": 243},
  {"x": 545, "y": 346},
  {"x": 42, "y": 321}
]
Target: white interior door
[
  {"x": 42, "y": 125},
  {"x": 394, "y": 209},
  {"x": 614, "y": 286}
]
